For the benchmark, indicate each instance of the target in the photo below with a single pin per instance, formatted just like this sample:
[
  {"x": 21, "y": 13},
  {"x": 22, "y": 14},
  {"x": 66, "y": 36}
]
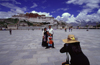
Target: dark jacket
[
  {"x": 44, "y": 43},
  {"x": 77, "y": 56}
]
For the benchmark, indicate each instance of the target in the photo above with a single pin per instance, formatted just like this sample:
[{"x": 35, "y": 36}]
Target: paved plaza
[{"x": 23, "y": 47}]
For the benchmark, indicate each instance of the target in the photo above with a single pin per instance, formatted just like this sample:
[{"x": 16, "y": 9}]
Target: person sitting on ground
[{"x": 72, "y": 46}]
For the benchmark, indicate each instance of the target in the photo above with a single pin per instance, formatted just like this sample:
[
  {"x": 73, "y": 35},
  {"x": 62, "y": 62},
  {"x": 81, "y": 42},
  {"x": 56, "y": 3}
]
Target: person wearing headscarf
[{"x": 45, "y": 38}]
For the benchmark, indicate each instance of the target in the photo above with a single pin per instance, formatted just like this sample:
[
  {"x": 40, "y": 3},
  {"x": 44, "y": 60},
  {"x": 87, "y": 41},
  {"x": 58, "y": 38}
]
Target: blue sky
[{"x": 66, "y": 10}]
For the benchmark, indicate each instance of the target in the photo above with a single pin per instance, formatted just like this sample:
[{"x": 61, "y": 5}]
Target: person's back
[
  {"x": 77, "y": 56},
  {"x": 74, "y": 48}
]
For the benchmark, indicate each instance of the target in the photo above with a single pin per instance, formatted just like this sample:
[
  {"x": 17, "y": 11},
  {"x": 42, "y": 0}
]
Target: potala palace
[{"x": 34, "y": 17}]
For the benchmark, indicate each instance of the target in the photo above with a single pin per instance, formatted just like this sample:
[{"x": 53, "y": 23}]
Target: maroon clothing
[{"x": 45, "y": 39}]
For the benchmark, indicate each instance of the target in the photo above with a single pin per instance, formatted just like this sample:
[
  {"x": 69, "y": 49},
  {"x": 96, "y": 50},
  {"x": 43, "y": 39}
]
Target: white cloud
[
  {"x": 64, "y": 9},
  {"x": 43, "y": 13},
  {"x": 88, "y": 4},
  {"x": 98, "y": 11},
  {"x": 82, "y": 16},
  {"x": 34, "y": 5},
  {"x": 9, "y": 5},
  {"x": 14, "y": 1},
  {"x": 6, "y": 14},
  {"x": 88, "y": 7},
  {"x": 72, "y": 19},
  {"x": 13, "y": 10},
  {"x": 92, "y": 5},
  {"x": 86, "y": 17},
  {"x": 19, "y": 11},
  {"x": 81, "y": 2},
  {"x": 86, "y": 11},
  {"x": 44, "y": 1},
  {"x": 4, "y": 0},
  {"x": 94, "y": 17},
  {"x": 87, "y": 20},
  {"x": 67, "y": 17},
  {"x": 12, "y": 6},
  {"x": 43, "y": 7},
  {"x": 53, "y": 11},
  {"x": 58, "y": 18}
]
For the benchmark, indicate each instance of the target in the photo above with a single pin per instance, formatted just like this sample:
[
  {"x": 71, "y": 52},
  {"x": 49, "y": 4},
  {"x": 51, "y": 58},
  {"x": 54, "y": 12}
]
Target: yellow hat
[{"x": 70, "y": 39}]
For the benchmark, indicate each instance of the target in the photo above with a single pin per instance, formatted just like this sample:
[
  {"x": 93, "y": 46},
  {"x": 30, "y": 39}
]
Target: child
[{"x": 50, "y": 41}]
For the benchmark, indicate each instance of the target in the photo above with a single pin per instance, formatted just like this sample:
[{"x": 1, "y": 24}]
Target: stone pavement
[{"x": 23, "y": 47}]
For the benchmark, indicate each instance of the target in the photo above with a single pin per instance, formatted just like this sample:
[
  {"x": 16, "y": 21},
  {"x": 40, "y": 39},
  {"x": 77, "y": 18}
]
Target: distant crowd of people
[{"x": 70, "y": 29}]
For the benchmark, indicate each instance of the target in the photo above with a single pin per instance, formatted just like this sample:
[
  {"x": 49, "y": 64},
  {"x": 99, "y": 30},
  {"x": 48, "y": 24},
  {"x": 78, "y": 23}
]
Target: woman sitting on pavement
[{"x": 72, "y": 46}]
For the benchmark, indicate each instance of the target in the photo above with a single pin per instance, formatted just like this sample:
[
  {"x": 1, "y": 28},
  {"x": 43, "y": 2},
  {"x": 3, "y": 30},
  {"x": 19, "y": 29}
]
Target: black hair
[{"x": 45, "y": 28}]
